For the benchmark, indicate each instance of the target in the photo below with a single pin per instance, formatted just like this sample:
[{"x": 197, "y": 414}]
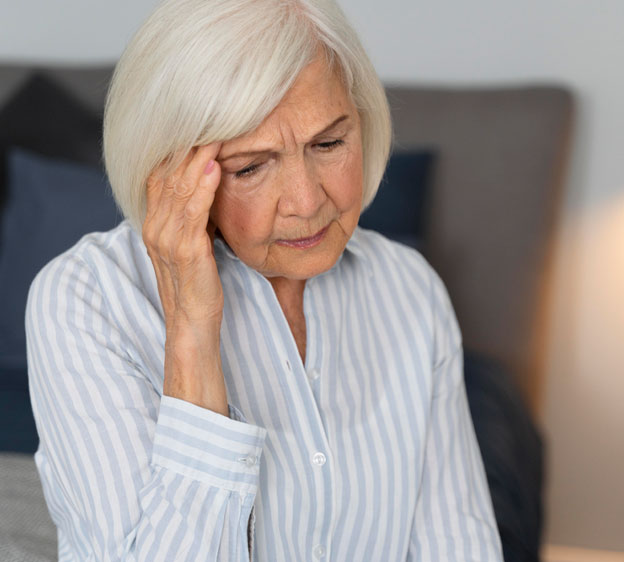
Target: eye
[
  {"x": 327, "y": 146},
  {"x": 248, "y": 171}
]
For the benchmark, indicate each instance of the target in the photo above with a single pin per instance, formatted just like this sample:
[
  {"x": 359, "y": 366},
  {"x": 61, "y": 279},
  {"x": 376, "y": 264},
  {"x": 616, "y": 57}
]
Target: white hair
[{"x": 201, "y": 71}]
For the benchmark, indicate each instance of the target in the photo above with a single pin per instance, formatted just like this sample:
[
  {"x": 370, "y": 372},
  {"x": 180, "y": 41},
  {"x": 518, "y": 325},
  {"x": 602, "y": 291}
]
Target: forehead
[{"x": 314, "y": 101}]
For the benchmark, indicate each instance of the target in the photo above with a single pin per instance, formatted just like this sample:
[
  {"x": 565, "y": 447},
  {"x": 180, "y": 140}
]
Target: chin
[
  {"x": 301, "y": 264},
  {"x": 306, "y": 265}
]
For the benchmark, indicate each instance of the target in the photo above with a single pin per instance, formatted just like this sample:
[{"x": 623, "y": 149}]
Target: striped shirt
[{"x": 365, "y": 452}]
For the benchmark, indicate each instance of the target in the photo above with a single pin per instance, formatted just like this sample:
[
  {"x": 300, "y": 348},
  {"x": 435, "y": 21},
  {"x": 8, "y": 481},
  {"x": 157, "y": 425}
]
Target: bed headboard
[
  {"x": 497, "y": 187},
  {"x": 497, "y": 184}
]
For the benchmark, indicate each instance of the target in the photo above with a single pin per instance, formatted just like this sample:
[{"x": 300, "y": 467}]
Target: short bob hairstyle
[{"x": 201, "y": 71}]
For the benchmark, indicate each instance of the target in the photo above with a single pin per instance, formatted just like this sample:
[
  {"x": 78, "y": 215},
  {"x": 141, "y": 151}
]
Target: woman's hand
[{"x": 179, "y": 239}]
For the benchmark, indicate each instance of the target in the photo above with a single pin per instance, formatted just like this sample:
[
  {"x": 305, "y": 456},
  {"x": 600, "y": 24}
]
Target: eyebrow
[{"x": 329, "y": 127}]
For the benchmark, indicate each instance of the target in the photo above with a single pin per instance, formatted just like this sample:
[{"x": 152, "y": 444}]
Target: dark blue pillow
[
  {"x": 18, "y": 432},
  {"x": 513, "y": 455},
  {"x": 399, "y": 209},
  {"x": 50, "y": 205},
  {"x": 43, "y": 117}
]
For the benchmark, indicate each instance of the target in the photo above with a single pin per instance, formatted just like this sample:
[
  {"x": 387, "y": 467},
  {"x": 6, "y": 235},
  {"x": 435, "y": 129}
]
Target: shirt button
[
  {"x": 319, "y": 459},
  {"x": 319, "y": 551},
  {"x": 249, "y": 460},
  {"x": 314, "y": 374}
]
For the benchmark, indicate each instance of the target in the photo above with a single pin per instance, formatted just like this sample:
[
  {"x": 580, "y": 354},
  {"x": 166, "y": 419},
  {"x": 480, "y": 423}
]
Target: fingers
[
  {"x": 178, "y": 207},
  {"x": 182, "y": 184},
  {"x": 173, "y": 190},
  {"x": 158, "y": 193},
  {"x": 168, "y": 195},
  {"x": 197, "y": 209},
  {"x": 191, "y": 175}
]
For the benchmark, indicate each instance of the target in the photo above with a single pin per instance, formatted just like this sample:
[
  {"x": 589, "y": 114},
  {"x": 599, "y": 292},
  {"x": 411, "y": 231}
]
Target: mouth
[{"x": 303, "y": 243}]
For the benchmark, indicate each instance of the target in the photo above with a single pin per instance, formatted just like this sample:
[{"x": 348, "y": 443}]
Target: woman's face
[{"x": 291, "y": 191}]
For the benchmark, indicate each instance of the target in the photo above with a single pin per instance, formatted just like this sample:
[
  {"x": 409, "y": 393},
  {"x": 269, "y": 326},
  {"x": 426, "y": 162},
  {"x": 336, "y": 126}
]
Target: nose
[{"x": 301, "y": 190}]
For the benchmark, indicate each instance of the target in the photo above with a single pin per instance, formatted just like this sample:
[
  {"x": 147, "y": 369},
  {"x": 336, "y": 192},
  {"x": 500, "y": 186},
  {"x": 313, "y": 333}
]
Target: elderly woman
[{"x": 237, "y": 371}]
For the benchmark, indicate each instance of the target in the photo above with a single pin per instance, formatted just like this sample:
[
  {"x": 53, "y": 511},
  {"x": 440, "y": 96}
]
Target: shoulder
[
  {"x": 384, "y": 257},
  {"x": 101, "y": 295},
  {"x": 101, "y": 266},
  {"x": 404, "y": 272},
  {"x": 94, "y": 252}
]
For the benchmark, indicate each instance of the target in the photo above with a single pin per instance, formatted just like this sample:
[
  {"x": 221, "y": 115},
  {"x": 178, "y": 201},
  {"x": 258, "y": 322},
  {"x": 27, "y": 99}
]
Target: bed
[{"x": 475, "y": 183}]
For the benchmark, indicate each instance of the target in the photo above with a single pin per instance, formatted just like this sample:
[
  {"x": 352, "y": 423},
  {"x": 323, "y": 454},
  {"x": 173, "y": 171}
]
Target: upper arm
[
  {"x": 95, "y": 413},
  {"x": 454, "y": 518}
]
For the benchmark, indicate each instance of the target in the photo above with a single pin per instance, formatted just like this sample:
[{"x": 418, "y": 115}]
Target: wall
[
  {"x": 68, "y": 30},
  {"x": 574, "y": 42}
]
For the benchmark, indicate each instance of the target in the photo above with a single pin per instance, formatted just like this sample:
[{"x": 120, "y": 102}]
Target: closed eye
[
  {"x": 248, "y": 171},
  {"x": 327, "y": 146},
  {"x": 253, "y": 168}
]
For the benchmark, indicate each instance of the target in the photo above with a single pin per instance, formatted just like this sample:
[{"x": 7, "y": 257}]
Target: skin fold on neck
[{"x": 289, "y": 294}]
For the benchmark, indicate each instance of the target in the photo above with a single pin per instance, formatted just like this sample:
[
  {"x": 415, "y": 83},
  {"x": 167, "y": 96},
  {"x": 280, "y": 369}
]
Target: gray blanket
[{"x": 27, "y": 533}]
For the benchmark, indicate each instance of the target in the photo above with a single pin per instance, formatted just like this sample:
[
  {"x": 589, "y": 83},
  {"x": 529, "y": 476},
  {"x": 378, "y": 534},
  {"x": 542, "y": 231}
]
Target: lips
[{"x": 304, "y": 242}]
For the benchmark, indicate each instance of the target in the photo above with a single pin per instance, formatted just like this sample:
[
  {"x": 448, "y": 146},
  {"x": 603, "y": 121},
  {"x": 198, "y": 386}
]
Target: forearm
[{"x": 193, "y": 369}]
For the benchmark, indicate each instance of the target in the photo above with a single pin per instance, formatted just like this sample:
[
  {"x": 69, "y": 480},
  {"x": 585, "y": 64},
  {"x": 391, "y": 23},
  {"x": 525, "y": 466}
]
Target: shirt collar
[{"x": 356, "y": 248}]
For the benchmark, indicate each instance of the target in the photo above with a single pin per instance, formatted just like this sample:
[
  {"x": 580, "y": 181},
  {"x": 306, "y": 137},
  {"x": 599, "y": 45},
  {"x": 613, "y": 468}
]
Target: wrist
[
  {"x": 193, "y": 352},
  {"x": 193, "y": 369},
  {"x": 189, "y": 335}
]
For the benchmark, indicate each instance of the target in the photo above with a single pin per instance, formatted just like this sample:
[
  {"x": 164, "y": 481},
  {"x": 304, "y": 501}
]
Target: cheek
[
  {"x": 226, "y": 214},
  {"x": 348, "y": 182},
  {"x": 240, "y": 220}
]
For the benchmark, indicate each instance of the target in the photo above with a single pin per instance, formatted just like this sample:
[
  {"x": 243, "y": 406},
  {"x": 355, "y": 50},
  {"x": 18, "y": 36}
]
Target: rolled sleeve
[{"x": 207, "y": 446}]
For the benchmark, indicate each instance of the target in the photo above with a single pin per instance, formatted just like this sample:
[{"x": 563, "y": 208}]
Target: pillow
[
  {"x": 18, "y": 432},
  {"x": 513, "y": 455},
  {"x": 50, "y": 205},
  {"x": 44, "y": 118},
  {"x": 400, "y": 207}
]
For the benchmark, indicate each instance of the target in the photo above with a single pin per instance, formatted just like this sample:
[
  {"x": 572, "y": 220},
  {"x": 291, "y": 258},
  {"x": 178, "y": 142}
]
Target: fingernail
[{"x": 209, "y": 167}]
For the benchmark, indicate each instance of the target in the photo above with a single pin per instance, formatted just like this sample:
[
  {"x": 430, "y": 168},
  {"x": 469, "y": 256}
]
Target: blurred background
[{"x": 574, "y": 43}]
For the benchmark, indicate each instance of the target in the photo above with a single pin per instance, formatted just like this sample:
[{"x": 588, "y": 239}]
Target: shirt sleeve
[
  {"x": 128, "y": 475},
  {"x": 454, "y": 519}
]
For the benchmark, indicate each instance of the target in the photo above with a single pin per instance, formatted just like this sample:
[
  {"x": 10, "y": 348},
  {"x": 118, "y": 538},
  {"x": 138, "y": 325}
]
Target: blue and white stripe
[{"x": 365, "y": 452}]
